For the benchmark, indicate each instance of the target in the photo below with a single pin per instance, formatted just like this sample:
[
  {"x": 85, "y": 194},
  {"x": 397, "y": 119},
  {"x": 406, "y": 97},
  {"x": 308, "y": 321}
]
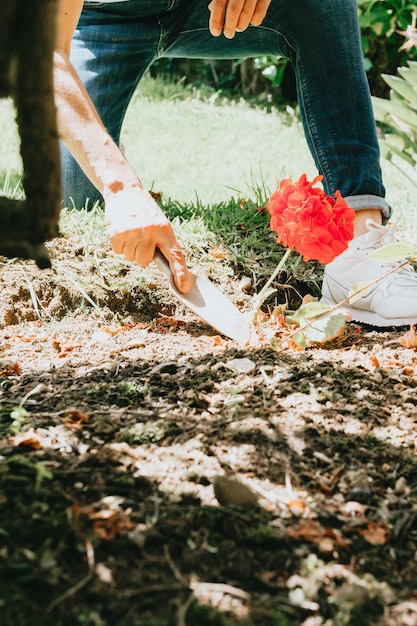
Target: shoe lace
[{"x": 379, "y": 236}]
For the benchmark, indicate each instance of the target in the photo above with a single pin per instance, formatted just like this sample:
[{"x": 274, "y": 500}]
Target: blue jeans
[{"x": 115, "y": 43}]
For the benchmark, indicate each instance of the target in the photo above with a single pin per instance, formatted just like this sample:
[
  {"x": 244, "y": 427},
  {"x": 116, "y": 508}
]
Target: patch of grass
[
  {"x": 179, "y": 144},
  {"x": 175, "y": 138},
  {"x": 11, "y": 184},
  {"x": 227, "y": 238},
  {"x": 149, "y": 432},
  {"x": 215, "y": 184},
  {"x": 241, "y": 226},
  {"x": 10, "y": 160},
  {"x": 166, "y": 87},
  {"x": 87, "y": 226}
]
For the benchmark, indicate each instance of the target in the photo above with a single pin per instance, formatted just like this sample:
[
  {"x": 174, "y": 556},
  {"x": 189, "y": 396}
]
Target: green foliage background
[{"x": 271, "y": 78}]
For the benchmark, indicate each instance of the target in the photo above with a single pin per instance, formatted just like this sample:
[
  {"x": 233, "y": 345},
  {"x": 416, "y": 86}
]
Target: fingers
[
  {"x": 182, "y": 276},
  {"x": 136, "y": 248},
  {"x": 137, "y": 232},
  {"x": 260, "y": 12},
  {"x": 133, "y": 246},
  {"x": 231, "y": 16},
  {"x": 240, "y": 22},
  {"x": 217, "y": 10}
]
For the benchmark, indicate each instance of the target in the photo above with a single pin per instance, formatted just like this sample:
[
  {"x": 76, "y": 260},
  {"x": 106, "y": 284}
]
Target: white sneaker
[{"x": 392, "y": 301}]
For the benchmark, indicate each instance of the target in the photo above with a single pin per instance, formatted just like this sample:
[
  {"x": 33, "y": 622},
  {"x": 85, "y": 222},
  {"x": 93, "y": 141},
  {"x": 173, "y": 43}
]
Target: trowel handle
[{"x": 162, "y": 263}]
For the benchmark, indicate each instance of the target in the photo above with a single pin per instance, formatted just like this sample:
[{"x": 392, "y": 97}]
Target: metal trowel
[{"x": 206, "y": 301}]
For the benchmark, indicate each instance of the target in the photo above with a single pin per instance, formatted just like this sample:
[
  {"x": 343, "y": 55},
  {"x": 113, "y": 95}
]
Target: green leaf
[
  {"x": 387, "y": 110},
  {"x": 18, "y": 414},
  {"x": 269, "y": 292},
  {"x": 359, "y": 290},
  {"x": 409, "y": 74},
  {"x": 403, "y": 88},
  {"x": 309, "y": 311},
  {"x": 400, "y": 153},
  {"x": 324, "y": 329},
  {"x": 260, "y": 298},
  {"x": 299, "y": 339},
  {"x": 393, "y": 252}
]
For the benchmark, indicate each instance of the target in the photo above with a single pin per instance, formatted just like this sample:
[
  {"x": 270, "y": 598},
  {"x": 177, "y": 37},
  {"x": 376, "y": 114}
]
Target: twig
[
  {"x": 162, "y": 588},
  {"x": 174, "y": 569},
  {"x": 33, "y": 296},
  {"x": 343, "y": 302},
  {"x": 194, "y": 586},
  {"x": 260, "y": 297},
  {"x": 77, "y": 282},
  {"x": 222, "y": 587},
  {"x": 182, "y": 610},
  {"x": 82, "y": 583}
]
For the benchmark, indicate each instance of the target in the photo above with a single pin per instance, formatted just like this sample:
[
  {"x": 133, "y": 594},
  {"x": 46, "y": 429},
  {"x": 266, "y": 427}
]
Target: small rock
[
  {"x": 326, "y": 545},
  {"x": 362, "y": 495},
  {"x": 137, "y": 342},
  {"x": 245, "y": 284},
  {"x": 401, "y": 486},
  {"x": 231, "y": 492},
  {"x": 170, "y": 367},
  {"x": 100, "y": 336},
  {"x": 241, "y": 366},
  {"x": 297, "y": 596}
]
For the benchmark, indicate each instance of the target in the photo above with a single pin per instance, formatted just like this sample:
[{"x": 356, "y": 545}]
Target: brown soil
[{"x": 126, "y": 435}]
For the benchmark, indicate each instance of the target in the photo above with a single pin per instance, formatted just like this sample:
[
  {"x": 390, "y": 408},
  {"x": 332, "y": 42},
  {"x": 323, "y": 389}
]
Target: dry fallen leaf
[
  {"x": 374, "y": 361},
  {"x": 409, "y": 339},
  {"x": 156, "y": 195},
  {"x": 219, "y": 341},
  {"x": 307, "y": 299},
  {"x": 64, "y": 347},
  {"x": 314, "y": 532},
  {"x": 28, "y": 439},
  {"x": 376, "y": 533},
  {"x": 218, "y": 253},
  {"x": 106, "y": 523},
  {"x": 26, "y": 339},
  {"x": 115, "y": 330},
  {"x": 297, "y": 507},
  {"x": 75, "y": 418},
  {"x": 308, "y": 530},
  {"x": 169, "y": 323},
  {"x": 272, "y": 579},
  {"x": 10, "y": 369}
]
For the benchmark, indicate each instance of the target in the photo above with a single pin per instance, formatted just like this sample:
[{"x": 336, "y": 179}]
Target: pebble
[
  {"x": 245, "y": 284},
  {"x": 241, "y": 366},
  {"x": 231, "y": 492}
]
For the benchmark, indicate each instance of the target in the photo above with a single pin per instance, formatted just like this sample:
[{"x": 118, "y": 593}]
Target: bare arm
[
  {"x": 136, "y": 225},
  {"x": 231, "y": 16}
]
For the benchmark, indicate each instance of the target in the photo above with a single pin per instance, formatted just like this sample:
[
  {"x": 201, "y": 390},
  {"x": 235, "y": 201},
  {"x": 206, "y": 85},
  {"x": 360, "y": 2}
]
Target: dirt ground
[{"x": 154, "y": 473}]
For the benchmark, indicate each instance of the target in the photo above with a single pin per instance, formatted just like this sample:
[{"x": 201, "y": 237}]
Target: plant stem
[
  {"x": 346, "y": 300},
  {"x": 262, "y": 295}
]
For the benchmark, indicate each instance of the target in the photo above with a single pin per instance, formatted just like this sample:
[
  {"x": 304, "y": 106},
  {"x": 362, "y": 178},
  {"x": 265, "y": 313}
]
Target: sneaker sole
[{"x": 373, "y": 319}]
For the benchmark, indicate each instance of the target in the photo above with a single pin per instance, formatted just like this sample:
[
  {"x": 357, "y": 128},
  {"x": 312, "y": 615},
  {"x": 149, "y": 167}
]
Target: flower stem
[
  {"x": 284, "y": 343},
  {"x": 263, "y": 294}
]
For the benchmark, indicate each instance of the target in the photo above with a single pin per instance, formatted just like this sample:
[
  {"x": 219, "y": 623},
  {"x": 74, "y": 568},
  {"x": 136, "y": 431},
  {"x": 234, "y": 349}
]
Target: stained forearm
[{"x": 83, "y": 132}]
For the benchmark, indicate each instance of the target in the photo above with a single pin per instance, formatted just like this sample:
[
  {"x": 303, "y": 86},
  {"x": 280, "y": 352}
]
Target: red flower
[{"x": 305, "y": 218}]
